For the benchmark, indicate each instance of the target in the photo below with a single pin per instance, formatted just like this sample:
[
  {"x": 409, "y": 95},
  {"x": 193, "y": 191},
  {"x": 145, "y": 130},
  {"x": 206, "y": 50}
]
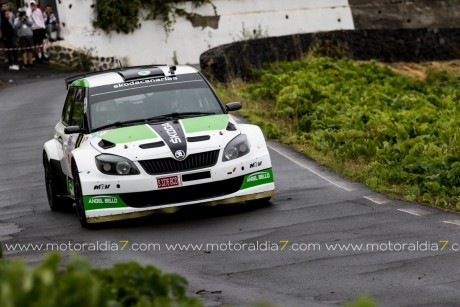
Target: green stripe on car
[
  {"x": 128, "y": 134},
  {"x": 257, "y": 178},
  {"x": 103, "y": 202},
  {"x": 80, "y": 83},
  {"x": 205, "y": 123}
]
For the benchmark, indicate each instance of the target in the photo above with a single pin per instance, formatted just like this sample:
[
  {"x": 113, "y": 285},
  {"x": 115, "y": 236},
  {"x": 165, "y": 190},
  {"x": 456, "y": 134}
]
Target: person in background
[
  {"x": 23, "y": 26},
  {"x": 39, "y": 32},
  {"x": 51, "y": 23},
  {"x": 7, "y": 7},
  {"x": 8, "y": 40}
]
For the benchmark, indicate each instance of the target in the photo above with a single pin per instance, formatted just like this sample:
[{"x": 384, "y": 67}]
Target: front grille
[
  {"x": 182, "y": 194},
  {"x": 170, "y": 165}
]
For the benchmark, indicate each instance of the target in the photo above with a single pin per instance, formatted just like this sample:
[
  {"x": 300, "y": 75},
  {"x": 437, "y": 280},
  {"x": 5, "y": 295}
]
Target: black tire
[
  {"x": 79, "y": 205},
  {"x": 54, "y": 201},
  {"x": 259, "y": 202}
]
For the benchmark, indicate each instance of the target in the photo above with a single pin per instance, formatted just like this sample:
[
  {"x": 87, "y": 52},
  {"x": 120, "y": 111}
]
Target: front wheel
[
  {"x": 78, "y": 194},
  {"x": 55, "y": 203}
]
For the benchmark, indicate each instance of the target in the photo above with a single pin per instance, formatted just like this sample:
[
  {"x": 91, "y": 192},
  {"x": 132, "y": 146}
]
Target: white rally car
[{"x": 136, "y": 140}]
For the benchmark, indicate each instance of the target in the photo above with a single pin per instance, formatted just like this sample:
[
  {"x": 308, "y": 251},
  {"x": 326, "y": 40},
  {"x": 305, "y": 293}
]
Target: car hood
[{"x": 175, "y": 138}]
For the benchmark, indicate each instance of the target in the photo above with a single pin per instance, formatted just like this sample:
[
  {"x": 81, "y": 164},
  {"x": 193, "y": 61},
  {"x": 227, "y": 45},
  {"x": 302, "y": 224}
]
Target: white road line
[
  {"x": 415, "y": 211},
  {"x": 296, "y": 161},
  {"x": 377, "y": 199},
  {"x": 455, "y": 222}
]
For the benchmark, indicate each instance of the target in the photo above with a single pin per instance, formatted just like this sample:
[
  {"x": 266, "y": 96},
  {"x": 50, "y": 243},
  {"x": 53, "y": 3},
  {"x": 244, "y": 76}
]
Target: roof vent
[{"x": 136, "y": 73}]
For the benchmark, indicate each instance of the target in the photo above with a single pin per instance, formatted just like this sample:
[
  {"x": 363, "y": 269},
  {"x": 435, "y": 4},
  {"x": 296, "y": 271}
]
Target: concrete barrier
[{"x": 236, "y": 60}]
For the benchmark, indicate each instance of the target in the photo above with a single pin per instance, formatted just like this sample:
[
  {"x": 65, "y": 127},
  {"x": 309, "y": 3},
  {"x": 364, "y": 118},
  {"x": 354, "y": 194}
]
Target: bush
[
  {"x": 123, "y": 16},
  {"x": 78, "y": 284},
  {"x": 404, "y": 131}
]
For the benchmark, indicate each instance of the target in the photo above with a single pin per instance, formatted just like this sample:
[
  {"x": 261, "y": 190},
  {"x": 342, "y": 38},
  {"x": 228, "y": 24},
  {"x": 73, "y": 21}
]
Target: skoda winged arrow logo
[{"x": 179, "y": 154}]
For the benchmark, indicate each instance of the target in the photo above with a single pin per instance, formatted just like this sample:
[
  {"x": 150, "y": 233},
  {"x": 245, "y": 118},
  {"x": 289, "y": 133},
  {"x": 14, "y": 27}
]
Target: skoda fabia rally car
[{"x": 136, "y": 140}]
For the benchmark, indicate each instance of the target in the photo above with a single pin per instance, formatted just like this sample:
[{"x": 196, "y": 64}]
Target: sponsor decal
[
  {"x": 255, "y": 164},
  {"x": 258, "y": 176},
  {"x": 101, "y": 186},
  {"x": 173, "y": 135},
  {"x": 79, "y": 139},
  {"x": 148, "y": 81},
  {"x": 255, "y": 179},
  {"x": 103, "y": 200},
  {"x": 100, "y": 133},
  {"x": 231, "y": 172}
]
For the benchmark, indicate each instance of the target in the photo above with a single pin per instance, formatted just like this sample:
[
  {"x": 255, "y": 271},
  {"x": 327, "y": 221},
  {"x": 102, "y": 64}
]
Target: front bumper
[
  {"x": 121, "y": 211},
  {"x": 110, "y": 198}
]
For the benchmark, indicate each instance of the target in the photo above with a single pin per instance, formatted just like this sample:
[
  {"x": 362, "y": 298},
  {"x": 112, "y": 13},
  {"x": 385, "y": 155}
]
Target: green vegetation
[
  {"x": 123, "y": 16},
  {"x": 397, "y": 134},
  {"x": 78, "y": 284}
]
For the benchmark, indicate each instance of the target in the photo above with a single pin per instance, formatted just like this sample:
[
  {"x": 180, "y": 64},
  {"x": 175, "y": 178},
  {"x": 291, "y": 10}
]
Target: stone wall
[
  {"x": 235, "y": 60},
  {"x": 405, "y": 14},
  {"x": 75, "y": 59}
]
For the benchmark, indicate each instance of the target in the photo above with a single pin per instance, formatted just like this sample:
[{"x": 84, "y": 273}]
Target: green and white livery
[{"x": 136, "y": 140}]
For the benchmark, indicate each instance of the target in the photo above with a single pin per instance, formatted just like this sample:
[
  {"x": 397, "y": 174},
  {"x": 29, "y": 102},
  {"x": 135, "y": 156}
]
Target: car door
[
  {"x": 73, "y": 115},
  {"x": 59, "y": 134}
]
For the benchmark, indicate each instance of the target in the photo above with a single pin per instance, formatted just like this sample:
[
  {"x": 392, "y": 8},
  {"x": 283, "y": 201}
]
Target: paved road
[{"x": 311, "y": 206}]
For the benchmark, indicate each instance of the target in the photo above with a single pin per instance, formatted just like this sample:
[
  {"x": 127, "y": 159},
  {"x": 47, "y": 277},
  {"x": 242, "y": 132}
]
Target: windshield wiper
[
  {"x": 158, "y": 117},
  {"x": 118, "y": 124},
  {"x": 181, "y": 114}
]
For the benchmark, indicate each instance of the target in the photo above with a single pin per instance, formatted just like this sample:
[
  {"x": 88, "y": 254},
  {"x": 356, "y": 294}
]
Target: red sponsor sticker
[{"x": 170, "y": 181}]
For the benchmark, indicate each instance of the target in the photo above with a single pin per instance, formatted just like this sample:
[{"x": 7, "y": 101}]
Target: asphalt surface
[{"x": 312, "y": 205}]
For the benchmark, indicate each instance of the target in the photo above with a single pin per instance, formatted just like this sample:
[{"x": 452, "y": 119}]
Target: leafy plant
[
  {"x": 78, "y": 284},
  {"x": 124, "y": 16},
  {"x": 399, "y": 135}
]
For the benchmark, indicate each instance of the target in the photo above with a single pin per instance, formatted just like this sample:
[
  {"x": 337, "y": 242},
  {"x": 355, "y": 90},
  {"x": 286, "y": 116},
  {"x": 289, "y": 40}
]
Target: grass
[{"x": 395, "y": 128}]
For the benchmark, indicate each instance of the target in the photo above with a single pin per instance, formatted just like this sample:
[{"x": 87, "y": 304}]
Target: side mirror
[
  {"x": 72, "y": 129},
  {"x": 233, "y": 106}
]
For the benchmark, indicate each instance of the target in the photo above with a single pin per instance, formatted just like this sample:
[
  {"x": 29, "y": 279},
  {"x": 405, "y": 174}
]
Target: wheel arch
[
  {"x": 83, "y": 159},
  {"x": 51, "y": 150},
  {"x": 254, "y": 133}
]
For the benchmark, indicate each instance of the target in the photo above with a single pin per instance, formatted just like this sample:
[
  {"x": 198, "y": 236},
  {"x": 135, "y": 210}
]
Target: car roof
[{"x": 127, "y": 74}]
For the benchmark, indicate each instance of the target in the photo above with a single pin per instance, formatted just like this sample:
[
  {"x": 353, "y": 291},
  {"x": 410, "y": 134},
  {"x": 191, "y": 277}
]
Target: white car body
[{"x": 185, "y": 154}]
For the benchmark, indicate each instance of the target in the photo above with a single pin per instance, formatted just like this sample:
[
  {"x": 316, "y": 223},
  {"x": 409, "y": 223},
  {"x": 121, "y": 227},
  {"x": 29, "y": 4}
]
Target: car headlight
[
  {"x": 115, "y": 165},
  {"x": 236, "y": 148}
]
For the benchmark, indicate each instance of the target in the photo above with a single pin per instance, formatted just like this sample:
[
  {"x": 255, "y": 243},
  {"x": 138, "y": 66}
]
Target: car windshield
[{"x": 147, "y": 102}]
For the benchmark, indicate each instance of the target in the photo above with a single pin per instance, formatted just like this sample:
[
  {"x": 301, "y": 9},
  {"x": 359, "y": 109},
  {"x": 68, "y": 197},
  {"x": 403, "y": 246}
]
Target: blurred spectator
[
  {"x": 38, "y": 27},
  {"x": 23, "y": 26},
  {"x": 8, "y": 40},
  {"x": 51, "y": 23},
  {"x": 6, "y": 7}
]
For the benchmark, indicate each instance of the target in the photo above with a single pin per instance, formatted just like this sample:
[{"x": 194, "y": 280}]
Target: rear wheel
[
  {"x": 78, "y": 194},
  {"x": 260, "y": 201},
  {"x": 54, "y": 201}
]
